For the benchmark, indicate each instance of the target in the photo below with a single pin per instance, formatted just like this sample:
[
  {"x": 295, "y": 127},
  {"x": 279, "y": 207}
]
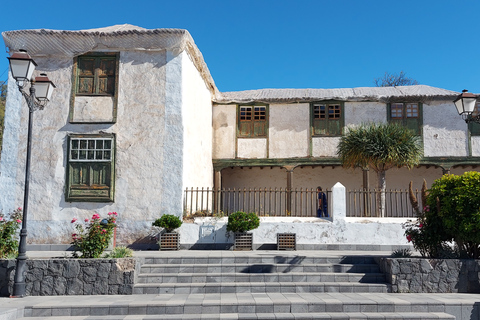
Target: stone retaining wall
[
  {"x": 431, "y": 275},
  {"x": 71, "y": 276}
]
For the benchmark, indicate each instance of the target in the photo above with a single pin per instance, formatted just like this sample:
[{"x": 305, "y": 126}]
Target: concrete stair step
[
  {"x": 260, "y": 277},
  {"x": 265, "y": 316},
  {"x": 253, "y": 287},
  {"x": 258, "y": 268},
  {"x": 279, "y": 258}
]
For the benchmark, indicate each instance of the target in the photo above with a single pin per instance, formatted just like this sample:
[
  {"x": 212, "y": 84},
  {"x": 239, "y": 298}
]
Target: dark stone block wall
[
  {"x": 431, "y": 275},
  {"x": 71, "y": 276}
]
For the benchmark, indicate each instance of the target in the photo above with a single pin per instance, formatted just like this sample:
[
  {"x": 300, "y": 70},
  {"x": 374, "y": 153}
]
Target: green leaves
[
  {"x": 93, "y": 238},
  {"x": 8, "y": 234},
  {"x": 241, "y": 222},
  {"x": 380, "y": 147},
  {"x": 168, "y": 221}
]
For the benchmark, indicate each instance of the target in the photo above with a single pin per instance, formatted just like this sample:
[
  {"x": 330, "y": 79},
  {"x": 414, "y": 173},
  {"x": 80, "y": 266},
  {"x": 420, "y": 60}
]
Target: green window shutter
[
  {"x": 252, "y": 121},
  {"x": 334, "y": 127},
  {"x": 327, "y": 119},
  {"x": 106, "y": 76},
  {"x": 96, "y": 75},
  {"x": 90, "y": 168},
  {"x": 320, "y": 127},
  {"x": 86, "y": 75}
]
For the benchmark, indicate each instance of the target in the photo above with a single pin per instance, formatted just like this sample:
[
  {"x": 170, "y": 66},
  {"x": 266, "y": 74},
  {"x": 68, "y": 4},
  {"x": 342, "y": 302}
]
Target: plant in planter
[
  {"x": 169, "y": 239},
  {"x": 239, "y": 223}
]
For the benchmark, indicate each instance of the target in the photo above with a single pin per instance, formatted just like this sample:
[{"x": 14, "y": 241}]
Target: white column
[{"x": 339, "y": 203}]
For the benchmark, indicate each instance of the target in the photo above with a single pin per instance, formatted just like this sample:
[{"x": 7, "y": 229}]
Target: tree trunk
[{"x": 381, "y": 187}]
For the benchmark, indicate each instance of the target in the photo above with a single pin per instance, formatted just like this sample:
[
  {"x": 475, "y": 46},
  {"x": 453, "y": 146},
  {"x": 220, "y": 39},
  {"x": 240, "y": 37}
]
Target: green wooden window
[
  {"x": 327, "y": 119},
  {"x": 406, "y": 114},
  {"x": 252, "y": 121},
  {"x": 96, "y": 75},
  {"x": 90, "y": 170},
  {"x": 472, "y": 126}
]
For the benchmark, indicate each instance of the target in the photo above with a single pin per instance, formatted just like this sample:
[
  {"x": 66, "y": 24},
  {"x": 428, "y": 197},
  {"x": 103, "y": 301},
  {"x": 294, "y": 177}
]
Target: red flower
[
  {"x": 104, "y": 231},
  {"x": 96, "y": 216},
  {"x": 19, "y": 221},
  {"x": 409, "y": 238},
  {"x": 73, "y": 220},
  {"x": 420, "y": 225},
  {"x": 86, "y": 219}
]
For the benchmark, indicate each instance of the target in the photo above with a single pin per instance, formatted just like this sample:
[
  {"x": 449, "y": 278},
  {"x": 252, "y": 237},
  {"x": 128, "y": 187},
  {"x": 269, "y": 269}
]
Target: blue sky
[{"x": 293, "y": 44}]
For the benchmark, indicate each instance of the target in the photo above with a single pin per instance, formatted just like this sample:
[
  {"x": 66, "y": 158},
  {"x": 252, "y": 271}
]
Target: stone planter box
[
  {"x": 169, "y": 241},
  {"x": 421, "y": 275},
  {"x": 243, "y": 241}
]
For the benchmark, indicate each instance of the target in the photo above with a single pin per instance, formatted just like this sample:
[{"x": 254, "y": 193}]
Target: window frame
[
  {"x": 90, "y": 192},
  {"x": 404, "y": 119},
  {"x": 254, "y": 122},
  {"x": 97, "y": 57},
  {"x": 326, "y": 123},
  {"x": 75, "y": 84}
]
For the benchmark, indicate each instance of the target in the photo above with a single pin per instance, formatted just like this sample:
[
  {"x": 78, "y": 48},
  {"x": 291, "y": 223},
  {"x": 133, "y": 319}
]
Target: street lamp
[
  {"x": 465, "y": 104},
  {"x": 22, "y": 67}
]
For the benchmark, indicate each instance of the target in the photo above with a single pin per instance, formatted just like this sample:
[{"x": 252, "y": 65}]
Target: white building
[{"x": 136, "y": 118}]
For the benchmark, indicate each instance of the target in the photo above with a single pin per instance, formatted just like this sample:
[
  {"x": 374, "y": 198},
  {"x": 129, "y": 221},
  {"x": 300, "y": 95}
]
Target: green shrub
[
  {"x": 8, "y": 234},
  {"x": 401, "y": 253},
  {"x": 451, "y": 216},
  {"x": 168, "y": 221},
  {"x": 454, "y": 202},
  {"x": 241, "y": 222},
  {"x": 93, "y": 238},
  {"x": 119, "y": 252}
]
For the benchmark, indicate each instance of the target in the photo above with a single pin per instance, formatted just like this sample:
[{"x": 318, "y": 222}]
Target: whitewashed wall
[
  {"x": 357, "y": 113},
  {"x": 289, "y": 126},
  {"x": 445, "y": 134},
  {"x": 151, "y": 139},
  {"x": 224, "y": 131},
  {"x": 197, "y": 126}
]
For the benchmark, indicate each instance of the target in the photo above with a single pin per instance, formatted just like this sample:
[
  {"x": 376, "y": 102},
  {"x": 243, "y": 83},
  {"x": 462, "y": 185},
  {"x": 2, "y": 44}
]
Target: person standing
[{"x": 322, "y": 209}]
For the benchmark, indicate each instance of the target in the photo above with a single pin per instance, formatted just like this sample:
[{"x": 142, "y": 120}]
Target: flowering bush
[
  {"x": 449, "y": 224},
  {"x": 93, "y": 235},
  {"x": 8, "y": 233}
]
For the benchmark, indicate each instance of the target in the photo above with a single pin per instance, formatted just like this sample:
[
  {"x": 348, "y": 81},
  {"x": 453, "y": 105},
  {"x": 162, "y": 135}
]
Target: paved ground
[{"x": 460, "y": 305}]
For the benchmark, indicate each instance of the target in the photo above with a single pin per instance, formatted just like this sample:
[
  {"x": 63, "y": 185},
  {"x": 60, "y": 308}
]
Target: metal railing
[
  {"x": 263, "y": 201},
  {"x": 268, "y": 202},
  {"x": 363, "y": 203}
]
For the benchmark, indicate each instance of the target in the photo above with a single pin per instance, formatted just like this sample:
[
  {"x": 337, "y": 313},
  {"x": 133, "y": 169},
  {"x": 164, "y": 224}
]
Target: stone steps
[
  {"x": 256, "y": 274},
  {"x": 260, "y": 277},
  {"x": 248, "y": 306},
  {"x": 266, "y": 316},
  {"x": 257, "y": 268},
  {"x": 252, "y": 287}
]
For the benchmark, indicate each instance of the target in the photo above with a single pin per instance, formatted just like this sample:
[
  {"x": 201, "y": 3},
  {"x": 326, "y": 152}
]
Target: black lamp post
[
  {"x": 465, "y": 104},
  {"x": 22, "y": 67}
]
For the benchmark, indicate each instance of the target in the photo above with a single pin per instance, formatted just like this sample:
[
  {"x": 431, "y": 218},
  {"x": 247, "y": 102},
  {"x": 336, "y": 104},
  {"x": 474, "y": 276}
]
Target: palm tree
[{"x": 380, "y": 147}]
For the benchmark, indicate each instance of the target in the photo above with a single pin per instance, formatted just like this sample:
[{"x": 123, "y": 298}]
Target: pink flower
[
  {"x": 1, "y": 218},
  {"x": 19, "y": 221},
  {"x": 426, "y": 208},
  {"x": 74, "y": 220},
  {"x": 86, "y": 219},
  {"x": 104, "y": 231},
  {"x": 409, "y": 238},
  {"x": 96, "y": 216},
  {"x": 19, "y": 208}
]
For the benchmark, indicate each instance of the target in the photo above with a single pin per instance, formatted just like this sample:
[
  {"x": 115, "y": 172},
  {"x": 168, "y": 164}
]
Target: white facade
[
  {"x": 163, "y": 136},
  {"x": 173, "y": 130}
]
